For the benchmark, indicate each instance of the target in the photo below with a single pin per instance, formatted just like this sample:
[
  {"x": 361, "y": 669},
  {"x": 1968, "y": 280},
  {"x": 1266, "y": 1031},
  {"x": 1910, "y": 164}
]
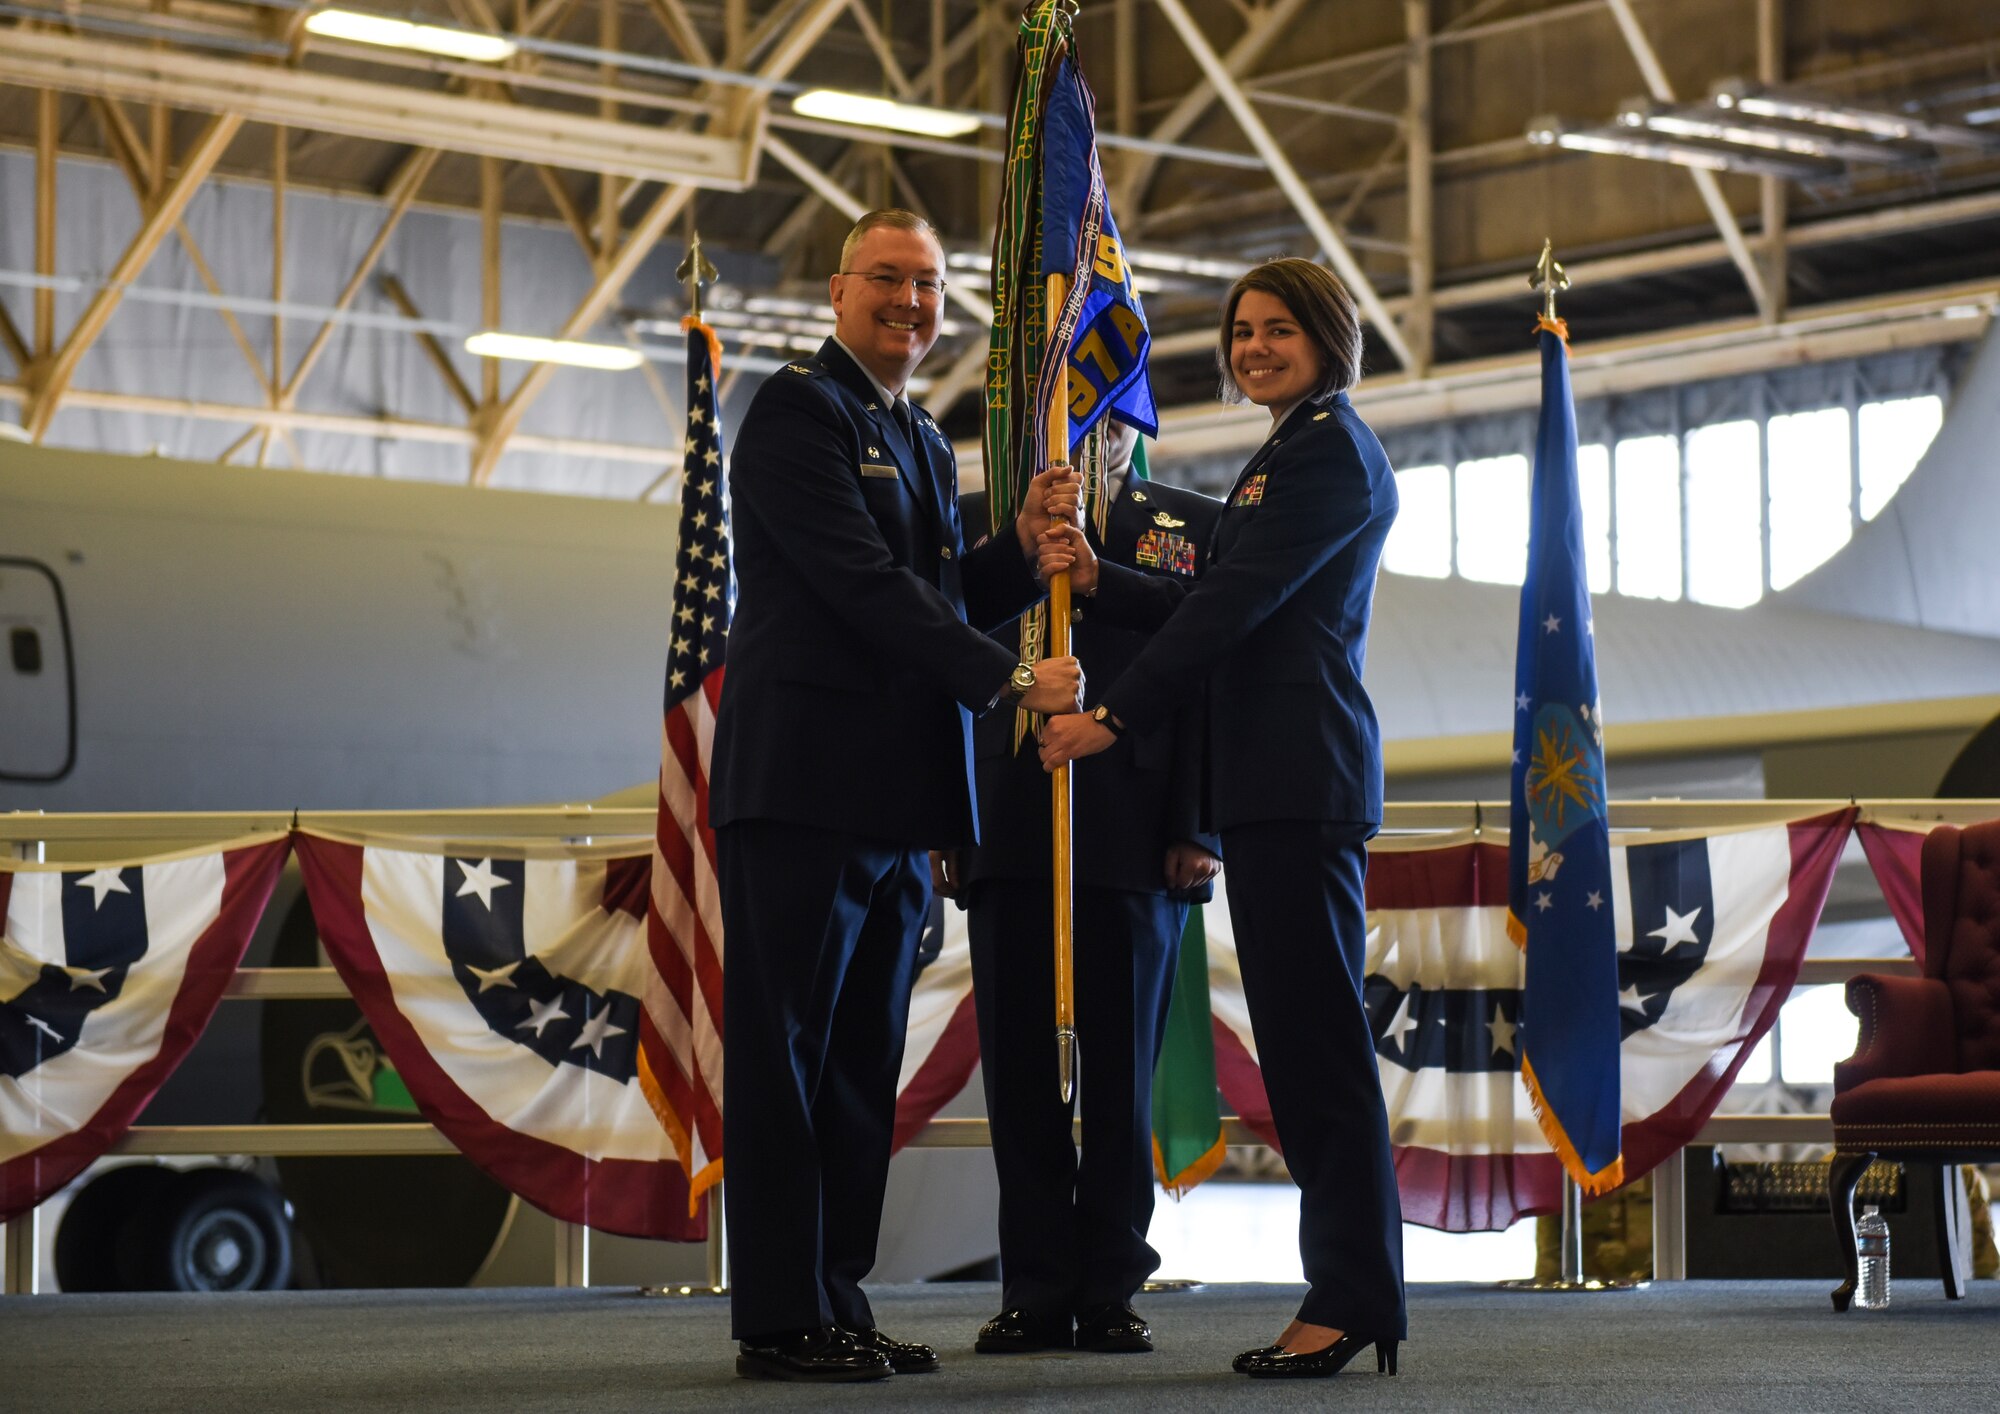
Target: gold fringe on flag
[
  {"x": 1594, "y": 1185},
  {"x": 1200, "y": 1171},
  {"x": 656, "y": 1098}
]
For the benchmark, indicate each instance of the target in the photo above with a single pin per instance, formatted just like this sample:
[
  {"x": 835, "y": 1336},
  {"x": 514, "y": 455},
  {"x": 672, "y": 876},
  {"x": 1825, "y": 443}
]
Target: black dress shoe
[
  {"x": 1281, "y": 1365},
  {"x": 1113, "y": 1328},
  {"x": 1241, "y": 1362},
  {"x": 827, "y": 1354},
  {"x": 904, "y": 1357},
  {"x": 1016, "y": 1332}
]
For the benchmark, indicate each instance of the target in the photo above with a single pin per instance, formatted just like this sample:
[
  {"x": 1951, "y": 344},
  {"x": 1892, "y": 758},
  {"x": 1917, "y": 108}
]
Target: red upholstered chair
[{"x": 1923, "y": 1084}]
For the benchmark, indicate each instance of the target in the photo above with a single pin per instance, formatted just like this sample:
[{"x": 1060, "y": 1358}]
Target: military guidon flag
[{"x": 108, "y": 973}]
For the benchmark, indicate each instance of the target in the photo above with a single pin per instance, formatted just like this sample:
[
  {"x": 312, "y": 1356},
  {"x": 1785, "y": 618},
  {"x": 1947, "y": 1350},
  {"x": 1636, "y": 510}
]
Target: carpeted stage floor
[{"x": 1687, "y": 1346}]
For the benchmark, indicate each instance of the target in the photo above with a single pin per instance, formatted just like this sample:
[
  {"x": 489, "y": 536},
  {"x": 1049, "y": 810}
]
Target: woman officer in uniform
[{"x": 1277, "y": 627}]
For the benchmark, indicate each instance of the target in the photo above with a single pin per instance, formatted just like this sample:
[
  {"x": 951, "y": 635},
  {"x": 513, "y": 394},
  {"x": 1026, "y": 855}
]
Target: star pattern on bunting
[
  {"x": 480, "y": 879},
  {"x": 102, "y": 882}
]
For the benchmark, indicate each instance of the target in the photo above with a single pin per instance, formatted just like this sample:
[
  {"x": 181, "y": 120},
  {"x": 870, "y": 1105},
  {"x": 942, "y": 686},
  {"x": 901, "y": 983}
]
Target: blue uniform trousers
[
  {"x": 1072, "y": 1232},
  {"x": 1297, "y": 905},
  {"x": 823, "y": 931}
]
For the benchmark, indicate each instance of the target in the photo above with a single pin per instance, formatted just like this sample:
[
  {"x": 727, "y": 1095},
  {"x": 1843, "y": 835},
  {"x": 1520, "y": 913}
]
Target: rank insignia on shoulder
[
  {"x": 798, "y": 368},
  {"x": 1139, "y": 497},
  {"x": 1321, "y": 416},
  {"x": 1159, "y": 550},
  {"x": 1252, "y": 493},
  {"x": 1161, "y": 518}
]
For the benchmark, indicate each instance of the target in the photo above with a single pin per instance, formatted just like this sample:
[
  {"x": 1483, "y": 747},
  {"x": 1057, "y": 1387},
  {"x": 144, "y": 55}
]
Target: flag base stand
[
  {"x": 718, "y": 1258},
  {"x": 1172, "y": 1285},
  {"x": 1570, "y": 1278},
  {"x": 1563, "y": 1284}
]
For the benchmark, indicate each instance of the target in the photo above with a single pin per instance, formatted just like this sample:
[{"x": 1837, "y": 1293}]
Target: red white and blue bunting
[
  {"x": 1711, "y": 930},
  {"x": 109, "y": 973},
  {"x": 506, "y": 987}
]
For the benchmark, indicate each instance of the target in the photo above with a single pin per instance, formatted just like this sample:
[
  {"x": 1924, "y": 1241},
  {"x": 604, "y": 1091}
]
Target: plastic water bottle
[{"x": 1873, "y": 1233}]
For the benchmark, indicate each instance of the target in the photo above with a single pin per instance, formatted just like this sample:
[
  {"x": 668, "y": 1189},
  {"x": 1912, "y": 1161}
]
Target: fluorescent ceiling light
[
  {"x": 1684, "y": 152},
  {"x": 1763, "y": 102},
  {"x": 610, "y": 357},
  {"x": 839, "y": 107},
  {"x": 1770, "y": 134},
  {"x": 401, "y": 34}
]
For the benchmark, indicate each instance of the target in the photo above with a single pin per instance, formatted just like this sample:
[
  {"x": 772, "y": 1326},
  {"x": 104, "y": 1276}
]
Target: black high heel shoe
[
  {"x": 1317, "y": 1364},
  {"x": 1241, "y": 1362}
]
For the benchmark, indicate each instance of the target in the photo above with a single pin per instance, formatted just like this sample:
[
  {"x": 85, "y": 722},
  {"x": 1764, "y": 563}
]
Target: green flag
[{"x": 1187, "y": 1115}]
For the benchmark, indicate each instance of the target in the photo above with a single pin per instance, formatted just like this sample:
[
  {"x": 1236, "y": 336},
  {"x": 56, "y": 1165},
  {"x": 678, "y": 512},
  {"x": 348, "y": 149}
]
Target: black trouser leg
[
  {"x": 1297, "y": 905},
  {"x": 822, "y": 932},
  {"x": 1126, "y": 944},
  {"x": 1072, "y": 1235},
  {"x": 854, "y": 1113}
]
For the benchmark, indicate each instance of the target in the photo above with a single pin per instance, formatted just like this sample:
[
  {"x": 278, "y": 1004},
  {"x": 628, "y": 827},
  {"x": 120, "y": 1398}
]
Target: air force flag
[
  {"x": 108, "y": 973},
  {"x": 507, "y": 993}
]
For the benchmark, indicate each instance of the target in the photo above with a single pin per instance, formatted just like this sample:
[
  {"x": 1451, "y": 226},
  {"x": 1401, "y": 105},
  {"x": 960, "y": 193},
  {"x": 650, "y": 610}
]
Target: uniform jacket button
[{"x": 946, "y": 552}]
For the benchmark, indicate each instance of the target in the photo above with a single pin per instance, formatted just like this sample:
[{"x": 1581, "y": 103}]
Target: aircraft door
[{"x": 37, "y": 676}]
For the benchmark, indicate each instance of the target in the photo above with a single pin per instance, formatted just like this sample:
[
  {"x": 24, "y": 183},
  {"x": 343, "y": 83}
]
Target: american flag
[{"x": 680, "y": 1036}]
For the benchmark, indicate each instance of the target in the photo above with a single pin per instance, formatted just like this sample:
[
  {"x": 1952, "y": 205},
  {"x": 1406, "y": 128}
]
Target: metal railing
[{"x": 30, "y": 833}]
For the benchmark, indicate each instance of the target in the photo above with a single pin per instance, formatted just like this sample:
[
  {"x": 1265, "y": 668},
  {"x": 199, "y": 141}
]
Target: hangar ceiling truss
[{"x": 1393, "y": 145}]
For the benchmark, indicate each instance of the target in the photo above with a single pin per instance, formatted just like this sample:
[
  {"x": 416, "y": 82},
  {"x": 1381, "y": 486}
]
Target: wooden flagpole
[{"x": 1059, "y": 798}]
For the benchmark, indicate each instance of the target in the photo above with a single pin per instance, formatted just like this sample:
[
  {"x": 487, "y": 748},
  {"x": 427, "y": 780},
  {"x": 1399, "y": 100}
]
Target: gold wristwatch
[
  {"x": 1021, "y": 683},
  {"x": 1101, "y": 714}
]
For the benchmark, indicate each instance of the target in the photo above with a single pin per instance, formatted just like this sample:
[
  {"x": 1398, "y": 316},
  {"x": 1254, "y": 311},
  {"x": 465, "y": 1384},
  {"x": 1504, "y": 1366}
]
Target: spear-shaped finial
[
  {"x": 1549, "y": 278},
  {"x": 694, "y": 272}
]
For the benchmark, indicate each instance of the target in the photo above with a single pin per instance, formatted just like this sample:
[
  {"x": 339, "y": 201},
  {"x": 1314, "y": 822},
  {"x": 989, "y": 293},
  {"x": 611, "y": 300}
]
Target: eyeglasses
[{"x": 892, "y": 284}]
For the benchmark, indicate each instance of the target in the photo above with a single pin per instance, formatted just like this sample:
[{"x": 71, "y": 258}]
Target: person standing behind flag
[
  {"x": 1278, "y": 627},
  {"x": 842, "y": 748},
  {"x": 1073, "y": 1245}
]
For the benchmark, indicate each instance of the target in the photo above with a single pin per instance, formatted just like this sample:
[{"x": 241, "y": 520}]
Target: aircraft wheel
[
  {"x": 215, "y": 1229},
  {"x": 93, "y": 1226}
]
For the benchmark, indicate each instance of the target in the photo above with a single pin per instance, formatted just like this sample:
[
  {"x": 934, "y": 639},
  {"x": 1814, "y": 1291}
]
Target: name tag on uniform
[
  {"x": 874, "y": 469},
  {"x": 1157, "y": 549},
  {"x": 1252, "y": 493}
]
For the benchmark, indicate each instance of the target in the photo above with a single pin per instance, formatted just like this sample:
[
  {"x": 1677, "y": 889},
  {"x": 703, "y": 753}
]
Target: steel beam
[
  {"x": 343, "y": 424},
  {"x": 1771, "y": 190},
  {"x": 385, "y": 112},
  {"x": 1288, "y": 180},
  {"x": 47, "y": 116},
  {"x": 201, "y": 157},
  {"x": 1419, "y": 322},
  {"x": 785, "y": 56},
  {"x": 1723, "y": 349},
  {"x": 1705, "y": 181},
  {"x": 17, "y": 347},
  {"x": 146, "y": 180},
  {"x": 1261, "y": 32},
  {"x": 433, "y": 350},
  {"x": 400, "y": 197},
  {"x": 850, "y": 206}
]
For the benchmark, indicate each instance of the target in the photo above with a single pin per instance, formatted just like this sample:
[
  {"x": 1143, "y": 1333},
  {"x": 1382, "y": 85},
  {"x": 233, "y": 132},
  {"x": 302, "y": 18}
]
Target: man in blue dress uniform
[
  {"x": 1073, "y": 1247},
  {"x": 842, "y": 755}
]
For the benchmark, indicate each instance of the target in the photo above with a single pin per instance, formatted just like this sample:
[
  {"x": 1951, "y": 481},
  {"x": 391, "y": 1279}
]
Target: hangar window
[
  {"x": 1812, "y": 496},
  {"x": 1593, "y": 477},
  {"x": 1725, "y": 515},
  {"x": 1894, "y": 437},
  {"x": 1493, "y": 519},
  {"x": 1420, "y": 540},
  {"x": 1647, "y": 472}
]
